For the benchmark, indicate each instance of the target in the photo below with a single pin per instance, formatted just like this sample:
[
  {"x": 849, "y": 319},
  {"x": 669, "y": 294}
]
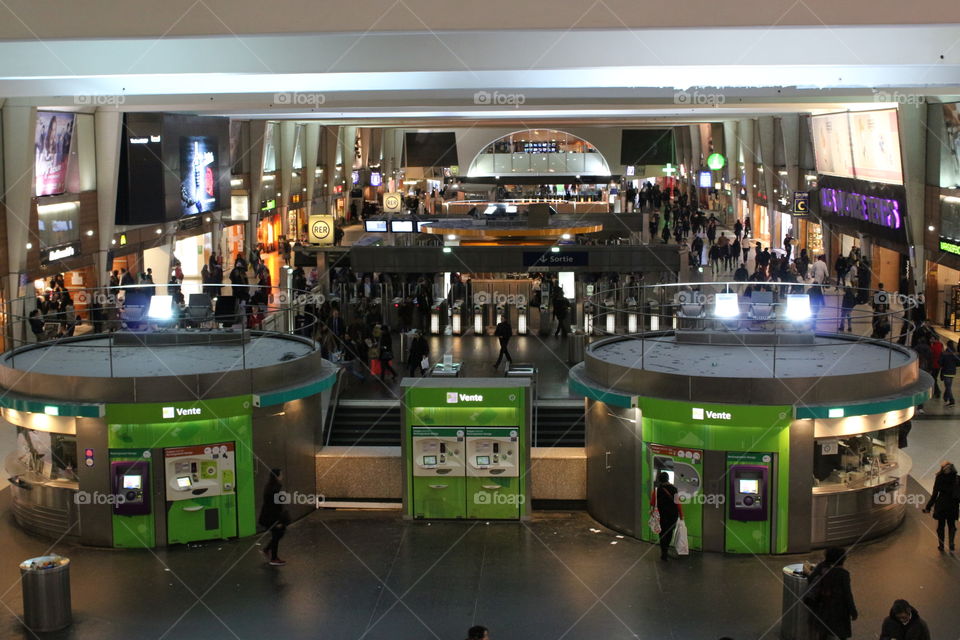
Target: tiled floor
[{"x": 373, "y": 575}]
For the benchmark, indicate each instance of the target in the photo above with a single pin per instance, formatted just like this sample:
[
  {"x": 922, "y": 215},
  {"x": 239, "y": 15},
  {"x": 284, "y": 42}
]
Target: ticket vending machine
[
  {"x": 130, "y": 485},
  {"x": 439, "y": 478},
  {"x": 493, "y": 457},
  {"x": 684, "y": 469},
  {"x": 750, "y": 506},
  {"x": 200, "y": 487}
]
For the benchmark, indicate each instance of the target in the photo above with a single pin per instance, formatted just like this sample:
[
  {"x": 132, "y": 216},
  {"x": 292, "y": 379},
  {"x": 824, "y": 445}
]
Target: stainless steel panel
[
  {"x": 800, "y": 485},
  {"x": 96, "y": 520},
  {"x": 46, "y": 509},
  {"x": 857, "y": 515},
  {"x": 612, "y": 448},
  {"x": 714, "y": 515}
]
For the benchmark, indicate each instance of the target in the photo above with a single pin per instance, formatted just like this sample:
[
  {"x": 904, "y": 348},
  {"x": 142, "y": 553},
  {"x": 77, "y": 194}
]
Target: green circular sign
[{"x": 716, "y": 161}]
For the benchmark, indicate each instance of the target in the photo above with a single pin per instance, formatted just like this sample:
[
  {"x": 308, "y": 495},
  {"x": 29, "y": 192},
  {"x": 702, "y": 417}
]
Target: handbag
[
  {"x": 680, "y": 542},
  {"x": 654, "y": 521},
  {"x": 425, "y": 363},
  {"x": 375, "y": 367}
]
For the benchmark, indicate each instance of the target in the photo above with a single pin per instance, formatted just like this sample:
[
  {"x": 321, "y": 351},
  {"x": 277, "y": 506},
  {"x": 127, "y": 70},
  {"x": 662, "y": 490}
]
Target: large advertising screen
[
  {"x": 875, "y": 137},
  {"x": 199, "y": 175},
  {"x": 861, "y": 145},
  {"x": 52, "y": 140}
]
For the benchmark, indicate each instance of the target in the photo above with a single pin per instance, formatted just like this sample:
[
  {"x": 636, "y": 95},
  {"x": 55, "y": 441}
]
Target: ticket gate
[
  {"x": 522, "y": 320},
  {"x": 545, "y": 320},
  {"x": 459, "y": 322},
  {"x": 438, "y": 317},
  {"x": 481, "y": 313}
]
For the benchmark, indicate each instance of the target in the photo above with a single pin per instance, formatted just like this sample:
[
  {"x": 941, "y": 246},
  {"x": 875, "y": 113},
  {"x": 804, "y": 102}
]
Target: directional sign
[
  {"x": 392, "y": 202},
  {"x": 801, "y": 203}
]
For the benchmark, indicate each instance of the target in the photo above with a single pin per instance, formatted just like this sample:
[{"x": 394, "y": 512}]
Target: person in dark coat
[
  {"x": 904, "y": 623},
  {"x": 273, "y": 516},
  {"x": 830, "y": 598},
  {"x": 419, "y": 349},
  {"x": 945, "y": 502},
  {"x": 504, "y": 332},
  {"x": 665, "y": 498},
  {"x": 948, "y": 371}
]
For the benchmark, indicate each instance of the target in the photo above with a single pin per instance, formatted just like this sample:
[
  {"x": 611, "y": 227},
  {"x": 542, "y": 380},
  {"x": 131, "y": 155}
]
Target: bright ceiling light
[{"x": 161, "y": 307}]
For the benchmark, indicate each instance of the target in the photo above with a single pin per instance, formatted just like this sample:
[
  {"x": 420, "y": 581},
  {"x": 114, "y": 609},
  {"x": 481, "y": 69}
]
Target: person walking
[
  {"x": 665, "y": 499},
  {"x": 273, "y": 516},
  {"x": 830, "y": 598},
  {"x": 904, "y": 623},
  {"x": 419, "y": 349},
  {"x": 945, "y": 502},
  {"x": 846, "y": 308},
  {"x": 504, "y": 332},
  {"x": 948, "y": 370},
  {"x": 386, "y": 353}
]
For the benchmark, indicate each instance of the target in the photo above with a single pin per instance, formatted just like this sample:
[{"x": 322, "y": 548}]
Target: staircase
[
  {"x": 366, "y": 423},
  {"x": 559, "y": 423},
  {"x": 376, "y": 423}
]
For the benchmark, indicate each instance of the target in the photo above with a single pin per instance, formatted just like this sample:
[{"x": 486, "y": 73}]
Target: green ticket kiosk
[
  {"x": 182, "y": 472},
  {"x": 466, "y": 448}
]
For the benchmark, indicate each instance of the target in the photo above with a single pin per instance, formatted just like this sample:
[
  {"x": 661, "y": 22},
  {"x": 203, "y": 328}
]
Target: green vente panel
[
  {"x": 163, "y": 425},
  {"x": 439, "y": 497},
  {"x": 481, "y": 416},
  {"x": 464, "y": 397},
  {"x": 494, "y": 498}
]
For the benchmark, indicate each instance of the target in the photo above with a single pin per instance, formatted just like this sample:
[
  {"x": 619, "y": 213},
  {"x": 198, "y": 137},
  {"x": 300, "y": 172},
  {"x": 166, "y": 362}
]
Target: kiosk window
[
  {"x": 134, "y": 481},
  {"x": 483, "y": 460},
  {"x": 749, "y": 486},
  {"x": 429, "y": 459},
  {"x": 184, "y": 482}
]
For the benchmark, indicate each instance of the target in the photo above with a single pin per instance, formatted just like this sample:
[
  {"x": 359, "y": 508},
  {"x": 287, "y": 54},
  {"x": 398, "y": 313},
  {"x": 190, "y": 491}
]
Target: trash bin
[
  {"x": 576, "y": 344},
  {"x": 46, "y": 593},
  {"x": 795, "y": 620}
]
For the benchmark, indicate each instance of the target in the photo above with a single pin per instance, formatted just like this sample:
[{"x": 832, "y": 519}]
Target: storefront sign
[
  {"x": 699, "y": 413},
  {"x": 190, "y": 223},
  {"x": 881, "y": 211},
  {"x": 949, "y": 246},
  {"x": 559, "y": 259},
  {"x": 801, "y": 203},
  {"x": 716, "y": 161},
  {"x": 392, "y": 202},
  {"x": 59, "y": 253},
  {"x": 240, "y": 208},
  {"x": 269, "y": 205},
  {"x": 321, "y": 230}
]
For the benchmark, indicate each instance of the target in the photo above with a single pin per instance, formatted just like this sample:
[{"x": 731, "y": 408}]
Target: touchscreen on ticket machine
[
  {"x": 748, "y": 489},
  {"x": 131, "y": 484}
]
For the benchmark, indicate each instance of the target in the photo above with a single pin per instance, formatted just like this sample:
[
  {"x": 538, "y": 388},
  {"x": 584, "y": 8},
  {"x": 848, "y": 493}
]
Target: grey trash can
[
  {"x": 795, "y": 621},
  {"x": 576, "y": 343},
  {"x": 45, "y": 583}
]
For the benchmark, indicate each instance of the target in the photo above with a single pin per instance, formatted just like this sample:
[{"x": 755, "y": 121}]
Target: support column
[
  {"x": 765, "y": 129},
  {"x": 730, "y": 173},
  {"x": 108, "y": 129},
  {"x": 255, "y": 150},
  {"x": 747, "y": 130},
  {"x": 288, "y": 142},
  {"x": 913, "y": 148},
  {"x": 790, "y": 134},
  {"x": 311, "y": 149},
  {"x": 331, "y": 146},
  {"x": 19, "y": 125}
]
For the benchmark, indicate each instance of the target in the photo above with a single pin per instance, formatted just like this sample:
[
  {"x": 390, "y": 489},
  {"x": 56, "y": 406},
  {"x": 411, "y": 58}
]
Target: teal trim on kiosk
[{"x": 466, "y": 448}]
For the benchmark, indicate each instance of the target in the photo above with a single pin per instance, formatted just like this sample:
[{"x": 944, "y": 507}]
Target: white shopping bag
[{"x": 680, "y": 538}]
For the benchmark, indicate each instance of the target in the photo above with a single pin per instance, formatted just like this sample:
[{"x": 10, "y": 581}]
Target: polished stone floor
[{"x": 373, "y": 575}]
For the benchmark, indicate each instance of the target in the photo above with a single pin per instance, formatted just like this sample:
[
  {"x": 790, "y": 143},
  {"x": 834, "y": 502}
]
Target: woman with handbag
[
  {"x": 945, "y": 502},
  {"x": 665, "y": 501},
  {"x": 419, "y": 351},
  {"x": 386, "y": 353}
]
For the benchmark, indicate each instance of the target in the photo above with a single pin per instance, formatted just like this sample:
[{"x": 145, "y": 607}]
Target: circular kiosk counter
[
  {"x": 148, "y": 439},
  {"x": 778, "y": 443}
]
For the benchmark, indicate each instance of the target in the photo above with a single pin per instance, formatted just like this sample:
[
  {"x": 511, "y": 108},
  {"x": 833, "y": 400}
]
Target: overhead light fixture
[
  {"x": 930, "y": 228},
  {"x": 447, "y": 249},
  {"x": 555, "y": 249},
  {"x": 114, "y": 241},
  {"x": 51, "y": 410},
  {"x": 29, "y": 245},
  {"x": 89, "y": 232},
  {"x": 159, "y": 231},
  {"x": 451, "y": 237},
  {"x": 565, "y": 236},
  {"x": 207, "y": 219},
  {"x": 835, "y": 413}
]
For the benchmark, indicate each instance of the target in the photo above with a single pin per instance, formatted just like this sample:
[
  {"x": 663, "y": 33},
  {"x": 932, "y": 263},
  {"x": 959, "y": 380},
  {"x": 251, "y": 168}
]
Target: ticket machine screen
[
  {"x": 670, "y": 475},
  {"x": 428, "y": 460},
  {"x": 751, "y": 487},
  {"x": 132, "y": 481},
  {"x": 483, "y": 460},
  {"x": 184, "y": 482}
]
